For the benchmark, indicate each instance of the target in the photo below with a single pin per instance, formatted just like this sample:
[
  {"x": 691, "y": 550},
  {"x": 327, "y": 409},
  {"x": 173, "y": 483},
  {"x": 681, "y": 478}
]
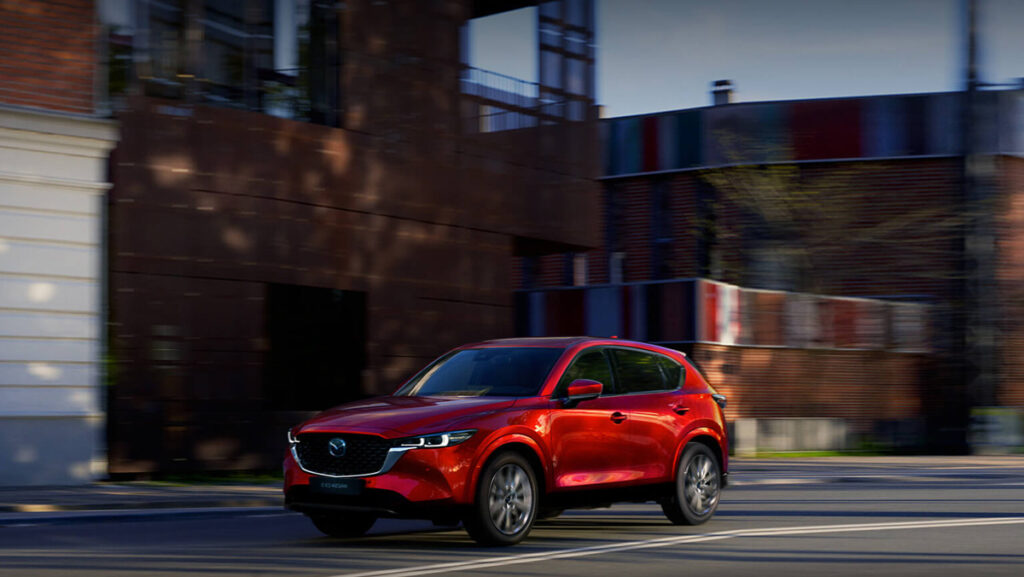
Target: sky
[{"x": 664, "y": 54}]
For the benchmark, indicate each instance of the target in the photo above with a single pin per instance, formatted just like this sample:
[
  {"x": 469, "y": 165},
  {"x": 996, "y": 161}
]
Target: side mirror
[{"x": 583, "y": 390}]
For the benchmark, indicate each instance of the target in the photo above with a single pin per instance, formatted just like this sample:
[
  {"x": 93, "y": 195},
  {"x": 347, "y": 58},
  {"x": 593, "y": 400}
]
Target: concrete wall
[
  {"x": 52, "y": 182},
  {"x": 753, "y": 436}
]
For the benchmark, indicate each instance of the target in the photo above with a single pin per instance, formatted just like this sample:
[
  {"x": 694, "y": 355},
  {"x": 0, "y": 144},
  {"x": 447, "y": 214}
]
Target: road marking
[{"x": 486, "y": 563}]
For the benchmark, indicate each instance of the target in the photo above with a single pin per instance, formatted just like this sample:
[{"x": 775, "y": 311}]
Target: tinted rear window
[{"x": 641, "y": 371}]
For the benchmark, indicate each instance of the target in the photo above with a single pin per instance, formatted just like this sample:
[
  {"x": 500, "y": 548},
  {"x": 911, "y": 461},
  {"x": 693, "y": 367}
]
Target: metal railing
[
  {"x": 491, "y": 101},
  {"x": 499, "y": 87},
  {"x": 500, "y": 102}
]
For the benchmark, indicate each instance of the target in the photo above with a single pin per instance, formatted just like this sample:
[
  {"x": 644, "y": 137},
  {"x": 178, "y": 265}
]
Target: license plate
[{"x": 336, "y": 486}]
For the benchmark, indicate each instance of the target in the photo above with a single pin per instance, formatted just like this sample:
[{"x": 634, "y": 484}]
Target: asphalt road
[{"x": 811, "y": 522}]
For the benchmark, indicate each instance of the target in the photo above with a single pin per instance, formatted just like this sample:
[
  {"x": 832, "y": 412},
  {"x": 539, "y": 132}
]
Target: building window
[
  {"x": 531, "y": 272},
  {"x": 237, "y": 51},
  {"x": 617, "y": 267},
  {"x": 280, "y": 57},
  {"x": 661, "y": 230},
  {"x": 615, "y": 222},
  {"x": 579, "y": 269}
]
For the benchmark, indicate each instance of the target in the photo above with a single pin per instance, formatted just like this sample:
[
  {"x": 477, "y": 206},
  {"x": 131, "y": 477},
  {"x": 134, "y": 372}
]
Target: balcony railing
[
  {"x": 499, "y": 87},
  {"x": 499, "y": 102},
  {"x": 491, "y": 101}
]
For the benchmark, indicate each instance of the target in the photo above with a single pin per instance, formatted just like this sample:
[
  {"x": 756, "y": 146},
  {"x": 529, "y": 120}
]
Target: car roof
[
  {"x": 552, "y": 342},
  {"x": 560, "y": 342}
]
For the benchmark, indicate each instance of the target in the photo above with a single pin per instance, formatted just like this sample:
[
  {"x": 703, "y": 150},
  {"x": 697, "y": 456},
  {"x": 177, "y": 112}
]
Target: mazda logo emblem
[{"x": 337, "y": 447}]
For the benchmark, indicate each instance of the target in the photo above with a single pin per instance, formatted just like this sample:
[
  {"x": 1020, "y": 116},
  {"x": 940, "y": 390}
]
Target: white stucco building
[{"x": 52, "y": 187}]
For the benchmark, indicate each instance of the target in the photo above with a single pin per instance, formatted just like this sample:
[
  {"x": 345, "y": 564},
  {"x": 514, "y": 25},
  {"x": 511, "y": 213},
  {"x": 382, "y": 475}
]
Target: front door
[{"x": 590, "y": 441}]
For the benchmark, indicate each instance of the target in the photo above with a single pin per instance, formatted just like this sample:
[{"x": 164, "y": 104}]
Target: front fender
[{"x": 520, "y": 436}]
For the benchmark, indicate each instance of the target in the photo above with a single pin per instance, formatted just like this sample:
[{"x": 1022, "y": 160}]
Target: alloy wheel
[
  {"x": 701, "y": 486},
  {"x": 510, "y": 499}
]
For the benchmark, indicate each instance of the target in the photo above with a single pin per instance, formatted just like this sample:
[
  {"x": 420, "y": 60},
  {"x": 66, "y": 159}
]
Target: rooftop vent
[{"x": 721, "y": 92}]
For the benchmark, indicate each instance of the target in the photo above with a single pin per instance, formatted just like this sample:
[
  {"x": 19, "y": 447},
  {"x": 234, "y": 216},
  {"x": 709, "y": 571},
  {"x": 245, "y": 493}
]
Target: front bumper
[
  {"x": 377, "y": 502},
  {"x": 419, "y": 484}
]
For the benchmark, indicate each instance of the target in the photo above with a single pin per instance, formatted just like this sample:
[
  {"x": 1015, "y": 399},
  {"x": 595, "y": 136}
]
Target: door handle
[
  {"x": 680, "y": 409},
  {"x": 618, "y": 417}
]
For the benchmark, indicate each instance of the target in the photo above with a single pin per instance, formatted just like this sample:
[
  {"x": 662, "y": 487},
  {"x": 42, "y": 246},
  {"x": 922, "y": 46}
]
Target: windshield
[{"x": 494, "y": 372}]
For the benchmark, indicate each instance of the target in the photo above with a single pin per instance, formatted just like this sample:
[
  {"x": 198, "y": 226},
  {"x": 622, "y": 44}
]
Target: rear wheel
[
  {"x": 343, "y": 526},
  {"x": 506, "y": 502},
  {"x": 697, "y": 487}
]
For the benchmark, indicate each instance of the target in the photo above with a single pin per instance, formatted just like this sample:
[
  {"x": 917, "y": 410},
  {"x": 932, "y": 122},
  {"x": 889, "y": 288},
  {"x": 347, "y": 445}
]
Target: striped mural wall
[
  {"x": 843, "y": 128},
  {"x": 710, "y": 312}
]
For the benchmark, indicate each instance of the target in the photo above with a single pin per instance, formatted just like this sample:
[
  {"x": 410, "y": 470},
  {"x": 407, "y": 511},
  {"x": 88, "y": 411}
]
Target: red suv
[{"x": 500, "y": 433}]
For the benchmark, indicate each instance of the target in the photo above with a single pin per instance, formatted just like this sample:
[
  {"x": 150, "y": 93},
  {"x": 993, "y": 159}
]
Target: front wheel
[
  {"x": 343, "y": 526},
  {"x": 506, "y": 502},
  {"x": 697, "y": 487}
]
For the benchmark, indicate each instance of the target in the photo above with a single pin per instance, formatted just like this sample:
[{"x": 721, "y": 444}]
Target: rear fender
[{"x": 703, "y": 431}]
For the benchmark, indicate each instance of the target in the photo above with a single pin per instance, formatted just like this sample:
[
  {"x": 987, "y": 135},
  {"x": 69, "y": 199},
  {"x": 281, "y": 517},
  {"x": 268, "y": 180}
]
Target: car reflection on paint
[{"x": 498, "y": 434}]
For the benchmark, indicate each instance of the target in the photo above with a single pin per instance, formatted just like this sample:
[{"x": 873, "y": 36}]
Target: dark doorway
[{"x": 316, "y": 347}]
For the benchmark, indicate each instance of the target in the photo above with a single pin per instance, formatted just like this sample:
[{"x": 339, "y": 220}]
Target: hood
[{"x": 397, "y": 416}]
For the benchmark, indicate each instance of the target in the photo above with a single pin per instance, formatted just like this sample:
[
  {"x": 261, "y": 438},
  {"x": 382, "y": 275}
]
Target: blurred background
[{"x": 220, "y": 216}]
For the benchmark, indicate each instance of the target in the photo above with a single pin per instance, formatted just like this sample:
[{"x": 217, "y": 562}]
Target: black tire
[
  {"x": 344, "y": 526},
  {"x": 506, "y": 502},
  {"x": 549, "y": 513},
  {"x": 446, "y": 522},
  {"x": 697, "y": 487}
]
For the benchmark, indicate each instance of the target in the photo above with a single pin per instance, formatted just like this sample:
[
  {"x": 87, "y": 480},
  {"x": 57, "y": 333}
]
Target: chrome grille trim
[{"x": 392, "y": 456}]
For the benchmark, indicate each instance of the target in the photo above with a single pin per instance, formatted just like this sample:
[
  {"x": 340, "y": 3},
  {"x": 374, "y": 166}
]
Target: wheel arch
[
  {"x": 707, "y": 438},
  {"x": 522, "y": 445}
]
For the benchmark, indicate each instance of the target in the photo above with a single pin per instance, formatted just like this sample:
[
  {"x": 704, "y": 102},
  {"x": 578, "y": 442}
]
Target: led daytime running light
[{"x": 436, "y": 441}]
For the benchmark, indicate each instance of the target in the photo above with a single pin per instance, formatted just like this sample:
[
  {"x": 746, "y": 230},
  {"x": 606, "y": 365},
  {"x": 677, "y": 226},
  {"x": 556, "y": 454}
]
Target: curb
[
  {"x": 98, "y": 515},
  {"x": 38, "y": 509},
  {"x": 867, "y": 478}
]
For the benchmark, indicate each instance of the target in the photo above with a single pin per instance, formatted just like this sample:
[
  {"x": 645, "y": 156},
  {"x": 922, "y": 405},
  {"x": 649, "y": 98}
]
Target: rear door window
[{"x": 641, "y": 371}]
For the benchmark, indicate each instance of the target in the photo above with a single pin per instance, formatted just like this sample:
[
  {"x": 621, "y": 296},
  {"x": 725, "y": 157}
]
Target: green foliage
[{"x": 819, "y": 220}]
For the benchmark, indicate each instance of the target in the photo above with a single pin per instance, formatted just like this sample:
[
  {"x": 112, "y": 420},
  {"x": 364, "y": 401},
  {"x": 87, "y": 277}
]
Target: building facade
[
  {"x": 849, "y": 197},
  {"x": 305, "y": 202},
  {"x": 54, "y": 146},
  {"x": 313, "y": 199}
]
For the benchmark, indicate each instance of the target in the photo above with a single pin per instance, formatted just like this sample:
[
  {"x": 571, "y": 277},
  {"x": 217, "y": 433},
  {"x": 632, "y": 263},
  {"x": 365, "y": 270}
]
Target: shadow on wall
[{"x": 212, "y": 208}]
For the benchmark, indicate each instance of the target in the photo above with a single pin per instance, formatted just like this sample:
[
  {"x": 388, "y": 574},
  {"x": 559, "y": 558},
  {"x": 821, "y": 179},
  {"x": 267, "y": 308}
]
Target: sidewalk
[
  {"x": 134, "y": 499},
  {"x": 149, "y": 499},
  {"x": 806, "y": 470}
]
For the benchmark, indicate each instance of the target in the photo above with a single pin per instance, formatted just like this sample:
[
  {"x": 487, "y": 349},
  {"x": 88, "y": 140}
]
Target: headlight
[
  {"x": 435, "y": 441},
  {"x": 291, "y": 438}
]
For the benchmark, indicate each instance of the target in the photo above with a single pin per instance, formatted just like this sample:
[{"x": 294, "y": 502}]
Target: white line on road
[{"x": 677, "y": 540}]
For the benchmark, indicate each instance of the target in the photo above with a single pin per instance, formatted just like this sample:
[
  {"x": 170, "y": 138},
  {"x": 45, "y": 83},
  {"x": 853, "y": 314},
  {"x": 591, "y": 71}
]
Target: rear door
[{"x": 650, "y": 385}]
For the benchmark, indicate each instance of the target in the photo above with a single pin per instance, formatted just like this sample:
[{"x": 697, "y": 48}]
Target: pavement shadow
[
  {"x": 798, "y": 557},
  {"x": 864, "y": 514}
]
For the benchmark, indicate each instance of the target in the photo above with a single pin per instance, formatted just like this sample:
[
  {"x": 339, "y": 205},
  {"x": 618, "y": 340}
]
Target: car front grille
[{"x": 364, "y": 454}]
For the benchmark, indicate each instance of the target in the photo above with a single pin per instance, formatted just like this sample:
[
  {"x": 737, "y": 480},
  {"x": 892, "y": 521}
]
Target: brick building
[
  {"x": 310, "y": 200},
  {"x": 884, "y": 213},
  {"x": 313, "y": 199}
]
